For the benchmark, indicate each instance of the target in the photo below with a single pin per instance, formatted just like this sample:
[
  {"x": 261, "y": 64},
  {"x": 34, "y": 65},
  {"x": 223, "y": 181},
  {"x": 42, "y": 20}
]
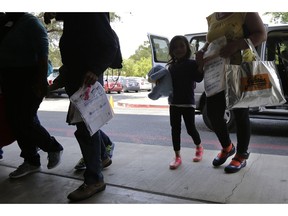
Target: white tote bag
[{"x": 253, "y": 84}]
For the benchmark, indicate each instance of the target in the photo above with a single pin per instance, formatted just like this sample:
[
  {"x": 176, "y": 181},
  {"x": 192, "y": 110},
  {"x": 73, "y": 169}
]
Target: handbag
[
  {"x": 253, "y": 84},
  {"x": 6, "y": 135}
]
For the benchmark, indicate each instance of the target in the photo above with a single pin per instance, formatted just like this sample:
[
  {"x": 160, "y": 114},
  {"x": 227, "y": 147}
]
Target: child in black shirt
[{"x": 184, "y": 73}]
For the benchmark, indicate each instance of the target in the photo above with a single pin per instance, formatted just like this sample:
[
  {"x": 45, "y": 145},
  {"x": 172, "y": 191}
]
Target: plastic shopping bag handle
[{"x": 252, "y": 48}]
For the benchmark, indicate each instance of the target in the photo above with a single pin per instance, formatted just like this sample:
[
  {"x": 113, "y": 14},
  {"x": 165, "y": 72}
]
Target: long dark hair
[{"x": 172, "y": 59}]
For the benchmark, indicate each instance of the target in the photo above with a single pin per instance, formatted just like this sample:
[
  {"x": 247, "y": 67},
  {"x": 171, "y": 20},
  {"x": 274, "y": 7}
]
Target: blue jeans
[
  {"x": 91, "y": 150},
  {"x": 90, "y": 145},
  {"x": 105, "y": 141}
]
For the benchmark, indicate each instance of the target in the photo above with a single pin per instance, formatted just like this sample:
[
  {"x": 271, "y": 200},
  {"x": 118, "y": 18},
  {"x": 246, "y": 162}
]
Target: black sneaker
[
  {"x": 54, "y": 159},
  {"x": 222, "y": 156},
  {"x": 85, "y": 191},
  {"x": 24, "y": 169}
]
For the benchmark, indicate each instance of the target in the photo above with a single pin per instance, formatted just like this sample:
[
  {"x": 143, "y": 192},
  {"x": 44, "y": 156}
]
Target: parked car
[
  {"x": 50, "y": 80},
  {"x": 144, "y": 84},
  {"x": 130, "y": 84},
  {"x": 112, "y": 84},
  {"x": 271, "y": 50}
]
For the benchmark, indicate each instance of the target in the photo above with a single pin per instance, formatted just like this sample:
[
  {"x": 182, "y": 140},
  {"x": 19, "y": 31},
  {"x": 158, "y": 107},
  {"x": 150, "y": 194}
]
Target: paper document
[
  {"x": 214, "y": 73},
  {"x": 93, "y": 105}
]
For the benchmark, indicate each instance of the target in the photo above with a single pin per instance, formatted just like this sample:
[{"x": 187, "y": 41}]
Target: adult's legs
[
  {"x": 243, "y": 129},
  {"x": 91, "y": 151},
  {"x": 104, "y": 142},
  {"x": 105, "y": 155},
  {"x": 93, "y": 178},
  {"x": 216, "y": 106},
  {"x": 105, "y": 138},
  {"x": 22, "y": 113},
  {"x": 22, "y": 119},
  {"x": 243, "y": 138},
  {"x": 30, "y": 133}
]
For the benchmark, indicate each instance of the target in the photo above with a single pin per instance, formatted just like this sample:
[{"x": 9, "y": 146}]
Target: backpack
[{"x": 117, "y": 62}]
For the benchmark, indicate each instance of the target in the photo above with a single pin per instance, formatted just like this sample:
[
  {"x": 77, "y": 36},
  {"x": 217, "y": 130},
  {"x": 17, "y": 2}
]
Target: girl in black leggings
[{"x": 184, "y": 73}]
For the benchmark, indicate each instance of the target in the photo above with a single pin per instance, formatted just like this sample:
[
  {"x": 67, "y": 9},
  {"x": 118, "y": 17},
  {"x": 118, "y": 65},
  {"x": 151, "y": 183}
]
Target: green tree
[
  {"x": 128, "y": 67},
  {"x": 142, "y": 67},
  {"x": 54, "y": 31},
  {"x": 139, "y": 63},
  {"x": 114, "y": 17},
  {"x": 143, "y": 51},
  {"x": 278, "y": 17}
]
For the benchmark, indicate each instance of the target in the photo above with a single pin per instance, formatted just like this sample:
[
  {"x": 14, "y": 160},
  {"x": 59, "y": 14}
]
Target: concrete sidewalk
[{"x": 140, "y": 174}]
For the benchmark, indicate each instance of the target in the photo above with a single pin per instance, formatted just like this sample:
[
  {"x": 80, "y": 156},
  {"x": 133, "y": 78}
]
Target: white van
[{"x": 271, "y": 50}]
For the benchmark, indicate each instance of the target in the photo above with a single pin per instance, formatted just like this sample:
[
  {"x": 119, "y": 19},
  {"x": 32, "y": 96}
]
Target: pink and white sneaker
[
  {"x": 198, "y": 154},
  {"x": 176, "y": 163}
]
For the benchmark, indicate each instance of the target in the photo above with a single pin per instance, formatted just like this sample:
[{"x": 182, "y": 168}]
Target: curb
[{"x": 128, "y": 105}]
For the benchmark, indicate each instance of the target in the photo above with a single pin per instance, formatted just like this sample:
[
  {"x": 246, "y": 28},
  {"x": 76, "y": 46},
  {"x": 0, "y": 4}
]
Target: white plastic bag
[{"x": 253, "y": 84}]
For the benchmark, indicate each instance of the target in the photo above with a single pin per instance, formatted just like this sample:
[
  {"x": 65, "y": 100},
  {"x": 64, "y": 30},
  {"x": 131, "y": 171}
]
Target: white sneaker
[{"x": 24, "y": 169}]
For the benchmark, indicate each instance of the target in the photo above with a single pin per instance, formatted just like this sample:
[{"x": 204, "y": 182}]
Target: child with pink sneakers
[{"x": 184, "y": 73}]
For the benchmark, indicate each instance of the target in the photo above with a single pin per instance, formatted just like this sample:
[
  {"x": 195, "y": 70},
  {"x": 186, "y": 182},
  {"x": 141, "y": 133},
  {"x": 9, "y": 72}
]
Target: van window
[
  {"x": 196, "y": 43},
  {"x": 160, "y": 49},
  {"x": 276, "y": 50},
  {"x": 276, "y": 43}
]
